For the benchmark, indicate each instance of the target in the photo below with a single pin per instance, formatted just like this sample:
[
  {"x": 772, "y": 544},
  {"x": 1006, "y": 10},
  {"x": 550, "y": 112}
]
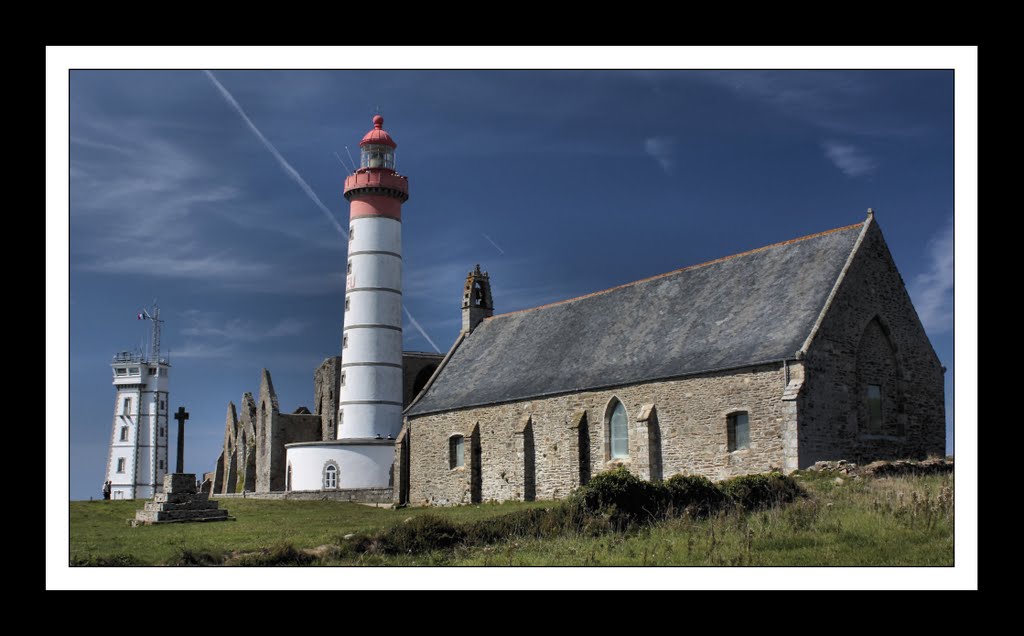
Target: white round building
[{"x": 370, "y": 399}]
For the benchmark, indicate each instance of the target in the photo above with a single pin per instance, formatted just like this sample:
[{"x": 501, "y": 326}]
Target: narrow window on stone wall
[
  {"x": 120, "y": 464},
  {"x": 456, "y": 451},
  {"x": 618, "y": 430},
  {"x": 874, "y": 408},
  {"x": 124, "y": 433},
  {"x": 739, "y": 431},
  {"x": 126, "y": 408},
  {"x": 330, "y": 476},
  {"x": 161, "y": 464}
]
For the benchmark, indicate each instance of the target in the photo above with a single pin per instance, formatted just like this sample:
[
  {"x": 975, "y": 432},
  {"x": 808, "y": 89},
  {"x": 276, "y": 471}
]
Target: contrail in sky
[
  {"x": 287, "y": 167},
  {"x": 492, "y": 243},
  {"x": 420, "y": 329}
]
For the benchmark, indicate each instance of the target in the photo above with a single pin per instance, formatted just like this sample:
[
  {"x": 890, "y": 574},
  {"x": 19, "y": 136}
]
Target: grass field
[{"x": 890, "y": 521}]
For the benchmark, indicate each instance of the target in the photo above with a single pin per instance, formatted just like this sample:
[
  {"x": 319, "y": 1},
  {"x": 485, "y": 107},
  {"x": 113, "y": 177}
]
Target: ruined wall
[
  {"x": 229, "y": 452},
  {"x": 871, "y": 334},
  {"x": 416, "y": 370},
  {"x": 326, "y": 384},
  {"x": 288, "y": 428},
  {"x": 533, "y": 447},
  {"x": 246, "y": 447}
]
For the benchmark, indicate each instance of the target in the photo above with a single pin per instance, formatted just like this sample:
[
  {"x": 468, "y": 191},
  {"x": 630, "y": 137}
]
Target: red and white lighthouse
[
  {"x": 370, "y": 395},
  {"x": 370, "y": 400}
]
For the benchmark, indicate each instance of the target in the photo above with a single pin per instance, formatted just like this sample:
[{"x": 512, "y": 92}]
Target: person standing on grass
[{"x": 106, "y": 489}]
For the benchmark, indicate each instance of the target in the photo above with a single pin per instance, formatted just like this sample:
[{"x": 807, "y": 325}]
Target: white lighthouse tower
[
  {"x": 370, "y": 397},
  {"x": 137, "y": 461}
]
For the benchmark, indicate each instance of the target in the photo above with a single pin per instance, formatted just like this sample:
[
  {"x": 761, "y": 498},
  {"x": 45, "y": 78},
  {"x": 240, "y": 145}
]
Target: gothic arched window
[{"x": 618, "y": 430}]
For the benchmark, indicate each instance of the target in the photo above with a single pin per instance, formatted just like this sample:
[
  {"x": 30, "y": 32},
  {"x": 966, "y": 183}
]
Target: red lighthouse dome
[{"x": 378, "y": 135}]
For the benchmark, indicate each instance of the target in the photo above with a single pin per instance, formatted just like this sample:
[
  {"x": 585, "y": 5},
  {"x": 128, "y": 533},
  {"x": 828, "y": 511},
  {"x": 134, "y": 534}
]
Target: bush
[
  {"x": 279, "y": 554},
  {"x": 422, "y": 534},
  {"x": 187, "y": 556},
  {"x": 755, "y": 492},
  {"x": 694, "y": 495},
  {"x": 623, "y": 498}
]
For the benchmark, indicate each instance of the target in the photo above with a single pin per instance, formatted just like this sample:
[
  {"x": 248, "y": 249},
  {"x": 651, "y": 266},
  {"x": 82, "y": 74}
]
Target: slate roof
[{"x": 751, "y": 308}]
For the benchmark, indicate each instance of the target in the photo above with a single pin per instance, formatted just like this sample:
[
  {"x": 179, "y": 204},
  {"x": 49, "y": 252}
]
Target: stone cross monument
[{"x": 181, "y": 415}]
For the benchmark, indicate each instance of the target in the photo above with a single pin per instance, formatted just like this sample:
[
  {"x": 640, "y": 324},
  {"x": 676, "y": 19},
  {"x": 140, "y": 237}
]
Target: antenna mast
[{"x": 155, "y": 347}]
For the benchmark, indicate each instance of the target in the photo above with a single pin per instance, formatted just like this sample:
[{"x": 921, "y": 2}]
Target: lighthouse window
[
  {"x": 348, "y": 304},
  {"x": 349, "y": 267},
  {"x": 152, "y": 370},
  {"x": 120, "y": 464},
  {"x": 377, "y": 156},
  {"x": 342, "y": 378},
  {"x": 344, "y": 341},
  {"x": 121, "y": 371},
  {"x": 124, "y": 433},
  {"x": 126, "y": 408},
  {"x": 351, "y": 232}
]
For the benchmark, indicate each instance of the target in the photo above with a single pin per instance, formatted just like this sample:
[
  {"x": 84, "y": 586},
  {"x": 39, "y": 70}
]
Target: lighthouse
[{"x": 370, "y": 393}]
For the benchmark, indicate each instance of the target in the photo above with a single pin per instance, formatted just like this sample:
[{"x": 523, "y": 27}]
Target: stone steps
[{"x": 179, "y": 503}]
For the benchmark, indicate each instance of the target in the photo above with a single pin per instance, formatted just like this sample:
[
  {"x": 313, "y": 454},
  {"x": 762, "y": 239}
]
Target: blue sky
[{"x": 558, "y": 183}]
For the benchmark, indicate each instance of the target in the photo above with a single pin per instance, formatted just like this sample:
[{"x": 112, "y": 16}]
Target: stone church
[{"x": 775, "y": 358}]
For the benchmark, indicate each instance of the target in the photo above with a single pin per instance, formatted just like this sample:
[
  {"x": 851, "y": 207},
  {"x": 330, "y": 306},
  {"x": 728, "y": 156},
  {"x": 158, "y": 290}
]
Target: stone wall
[
  {"x": 288, "y": 428},
  {"x": 537, "y": 443},
  {"x": 246, "y": 446},
  {"x": 416, "y": 370},
  {"x": 871, "y": 334},
  {"x": 326, "y": 385},
  {"x": 355, "y": 495}
]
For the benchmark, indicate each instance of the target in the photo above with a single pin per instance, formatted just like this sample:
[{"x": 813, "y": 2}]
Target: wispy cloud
[
  {"x": 420, "y": 329},
  {"x": 662, "y": 149},
  {"x": 491, "y": 241},
  {"x": 826, "y": 99},
  {"x": 932, "y": 290},
  {"x": 850, "y": 159},
  {"x": 208, "y": 325},
  {"x": 287, "y": 167}
]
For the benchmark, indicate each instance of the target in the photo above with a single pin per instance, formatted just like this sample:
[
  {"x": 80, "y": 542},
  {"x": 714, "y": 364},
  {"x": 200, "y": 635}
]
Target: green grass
[{"x": 890, "y": 521}]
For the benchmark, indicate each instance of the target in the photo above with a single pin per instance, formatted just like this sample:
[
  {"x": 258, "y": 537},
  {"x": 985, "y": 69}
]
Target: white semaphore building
[
  {"x": 137, "y": 461},
  {"x": 370, "y": 394}
]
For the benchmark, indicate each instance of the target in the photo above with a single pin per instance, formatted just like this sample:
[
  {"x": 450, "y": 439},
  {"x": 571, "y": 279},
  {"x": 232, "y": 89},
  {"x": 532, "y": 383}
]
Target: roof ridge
[{"x": 677, "y": 271}]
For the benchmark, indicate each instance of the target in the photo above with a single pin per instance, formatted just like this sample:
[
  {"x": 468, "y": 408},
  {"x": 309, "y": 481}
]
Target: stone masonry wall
[
  {"x": 871, "y": 335},
  {"x": 288, "y": 428},
  {"x": 326, "y": 385},
  {"x": 416, "y": 366},
  {"x": 690, "y": 421}
]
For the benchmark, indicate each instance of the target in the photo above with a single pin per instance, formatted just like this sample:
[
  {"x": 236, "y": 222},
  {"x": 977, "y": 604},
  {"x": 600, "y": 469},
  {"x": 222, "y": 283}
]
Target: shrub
[
  {"x": 279, "y": 554},
  {"x": 754, "y": 492},
  {"x": 697, "y": 496},
  {"x": 187, "y": 557},
  {"x": 422, "y": 534},
  {"x": 623, "y": 498}
]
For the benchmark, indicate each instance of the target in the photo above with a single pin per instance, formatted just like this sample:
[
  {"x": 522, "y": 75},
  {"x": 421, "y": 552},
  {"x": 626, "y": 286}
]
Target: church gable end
[{"x": 873, "y": 385}]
